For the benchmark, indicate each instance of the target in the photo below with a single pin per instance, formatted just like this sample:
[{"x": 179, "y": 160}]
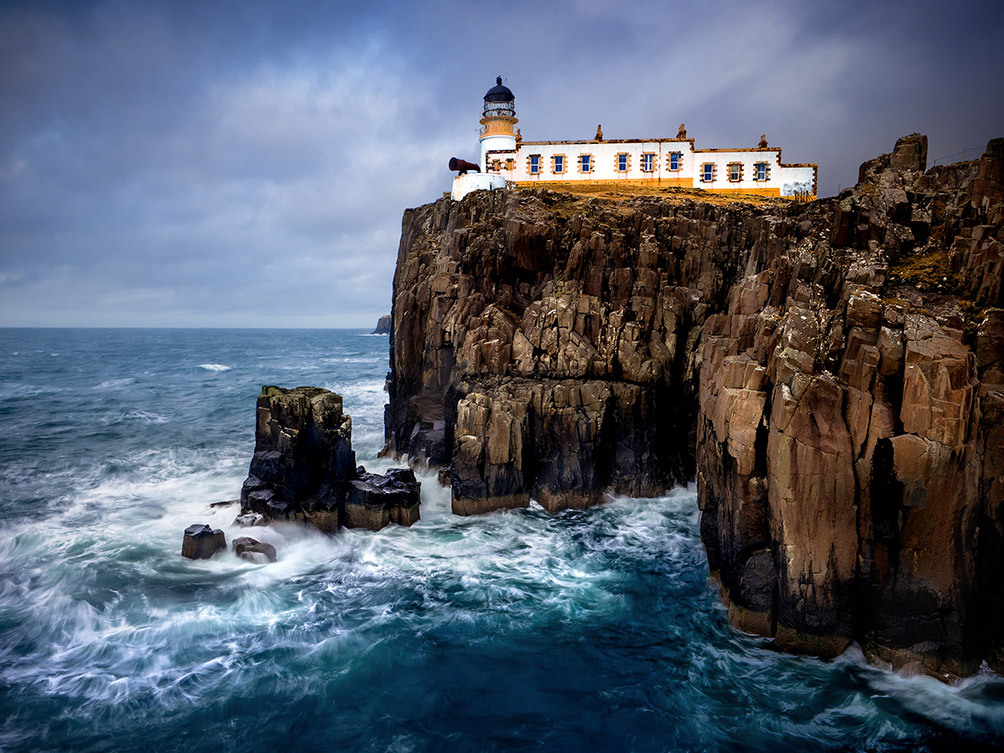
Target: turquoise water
[{"x": 592, "y": 630}]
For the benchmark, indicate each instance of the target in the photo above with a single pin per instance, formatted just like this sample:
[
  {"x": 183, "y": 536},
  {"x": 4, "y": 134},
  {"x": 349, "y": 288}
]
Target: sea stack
[
  {"x": 304, "y": 469},
  {"x": 383, "y": 325}
]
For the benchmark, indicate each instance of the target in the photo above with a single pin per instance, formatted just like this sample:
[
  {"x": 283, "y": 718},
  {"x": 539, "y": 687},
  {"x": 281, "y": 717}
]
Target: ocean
[{"x": 519, "y": 630}]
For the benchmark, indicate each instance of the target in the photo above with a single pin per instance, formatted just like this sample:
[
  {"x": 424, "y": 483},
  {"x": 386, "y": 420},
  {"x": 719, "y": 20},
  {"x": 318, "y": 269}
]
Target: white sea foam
[
  {"x": 23, "y": 389},
  {"x": 140, "y": 416},
  {"x": 214, "y": 367},
  {"x": 111, "y": 384},
  {"x": 510, "y": 566}
]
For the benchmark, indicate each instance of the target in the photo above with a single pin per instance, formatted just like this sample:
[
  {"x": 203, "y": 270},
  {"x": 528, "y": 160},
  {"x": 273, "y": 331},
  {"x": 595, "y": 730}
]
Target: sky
[{"x": 246, "y": 164}]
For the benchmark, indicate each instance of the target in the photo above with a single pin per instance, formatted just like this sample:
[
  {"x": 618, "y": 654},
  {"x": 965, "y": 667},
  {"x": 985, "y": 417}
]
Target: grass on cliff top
[
  {"x": 618, "y": 192},
  {"x": 931, "y": 272},
  {"x": 927, "y": 271}
]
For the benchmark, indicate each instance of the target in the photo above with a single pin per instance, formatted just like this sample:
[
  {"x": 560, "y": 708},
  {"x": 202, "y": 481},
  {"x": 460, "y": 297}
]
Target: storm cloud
[{"x": 246, "y": 164}]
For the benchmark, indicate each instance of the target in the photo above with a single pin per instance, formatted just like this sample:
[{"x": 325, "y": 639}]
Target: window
[
  {"x": 534, "y": 164},
  {"x": 558, "y": 164},
  {"x": 648, "y": 162},
  {"x": 585, "y": 163},
  {"x": 761, "y": 171},
  {"x": 735, "y": 172},
  {"x": 622, "y": 162},
  {"x": 674, "y": 161},
  {"x": 496, "y": 165},
  {"x": 707, "y": 172},
  {"x": 510, "y": 164}
]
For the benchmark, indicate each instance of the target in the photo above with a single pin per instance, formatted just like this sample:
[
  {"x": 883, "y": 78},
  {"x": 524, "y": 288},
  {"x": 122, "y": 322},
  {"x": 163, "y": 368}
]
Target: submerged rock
[
  {"x": 304, "y": 469},
  {"x": 201, "y": 542},
  {"x": 253, "y": 550},
  {"x": 251, "y": 519}
]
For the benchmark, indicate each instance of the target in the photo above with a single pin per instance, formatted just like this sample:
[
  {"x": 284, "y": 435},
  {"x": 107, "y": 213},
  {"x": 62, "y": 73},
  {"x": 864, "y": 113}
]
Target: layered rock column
[
  {"x": 304, "y": 469},
  {"x": 855, "y": 500},
  {"x": 554, "y": 441}
]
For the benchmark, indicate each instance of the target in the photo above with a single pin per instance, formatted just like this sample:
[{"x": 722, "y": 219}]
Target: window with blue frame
[
  {"x": 648, "y": 162},
  {"x": 622, "y": 163},
  {"x": 558, "y": 164},
  {"x": 761, "y": 171},
  {"x": 707, "y": 172},
  {"x": 674, "y": 161},
  {"x": 534, "y": 164},
  {"x": 585, "y": 163}
]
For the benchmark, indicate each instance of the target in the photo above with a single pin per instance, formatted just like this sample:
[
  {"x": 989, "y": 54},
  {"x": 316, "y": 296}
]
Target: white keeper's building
[{"x": 505, "y": 157}]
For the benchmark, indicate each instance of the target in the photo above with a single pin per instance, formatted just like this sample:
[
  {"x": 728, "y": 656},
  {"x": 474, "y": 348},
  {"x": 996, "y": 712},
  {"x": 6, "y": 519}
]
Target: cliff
[{"x": 832, "y": 373}]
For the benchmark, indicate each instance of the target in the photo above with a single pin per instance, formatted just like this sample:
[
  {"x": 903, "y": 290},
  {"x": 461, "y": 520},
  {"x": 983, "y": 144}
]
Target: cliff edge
[{"x": 832, "y": 373}]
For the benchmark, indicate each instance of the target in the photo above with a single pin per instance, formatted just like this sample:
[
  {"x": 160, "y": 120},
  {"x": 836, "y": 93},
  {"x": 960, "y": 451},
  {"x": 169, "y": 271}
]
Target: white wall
[
  {"x": 604, "y": 160},
  {"x": 489, "y": 143},
  {"x": 798, "y": 180},
  {"x": 465, "y": 184},
  {"x": 748, "y": 161},
  {"x": 787, "y": 180}
]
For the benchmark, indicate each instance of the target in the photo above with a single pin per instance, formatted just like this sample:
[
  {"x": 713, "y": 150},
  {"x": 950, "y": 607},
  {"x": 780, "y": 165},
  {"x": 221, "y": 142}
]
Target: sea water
[{"x": 518, "y": 630}]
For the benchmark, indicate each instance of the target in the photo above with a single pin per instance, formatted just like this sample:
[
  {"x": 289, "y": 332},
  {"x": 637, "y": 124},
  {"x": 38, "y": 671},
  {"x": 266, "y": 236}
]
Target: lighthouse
[
  {"x": 507, "y": 160},
  {"x": 498, "y": 134},
  {"x": 498, "y": 121}
]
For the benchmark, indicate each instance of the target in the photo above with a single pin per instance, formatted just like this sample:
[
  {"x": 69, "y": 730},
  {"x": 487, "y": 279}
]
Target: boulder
[
  {"x": 372, "y": 501},
  {"x": 201, "y": 542},
  {"x": 253, "y": 550}
]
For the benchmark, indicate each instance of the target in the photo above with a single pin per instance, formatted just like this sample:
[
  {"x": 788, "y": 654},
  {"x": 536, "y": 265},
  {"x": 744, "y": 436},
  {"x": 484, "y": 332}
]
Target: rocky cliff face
[{"x": 832, "y": 373}]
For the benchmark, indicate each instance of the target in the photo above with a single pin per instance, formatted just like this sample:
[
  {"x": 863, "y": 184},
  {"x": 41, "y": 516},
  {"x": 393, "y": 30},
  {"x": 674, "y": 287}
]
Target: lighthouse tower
[{"x": 498, "y": 124}]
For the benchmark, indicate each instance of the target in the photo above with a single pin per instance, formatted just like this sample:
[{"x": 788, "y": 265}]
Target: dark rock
[
  {"x": 201, "y": 542},
  {"x": 910, "y": 153},
  {"x": 829, "y": 371},
  {"x": 227, "y": 503},
  {"x": 372, "y": 501},
  {"x": 304, "y": 469},
  {"x": 383, "y": 326},
  {"x": 303, "y": 451},
  {"x": 250, "y": 519},
  {"x": 253, "y": 550}
]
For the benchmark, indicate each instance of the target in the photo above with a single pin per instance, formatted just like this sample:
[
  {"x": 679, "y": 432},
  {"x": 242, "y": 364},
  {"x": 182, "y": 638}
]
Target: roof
[{"x": 499, "y": 93}]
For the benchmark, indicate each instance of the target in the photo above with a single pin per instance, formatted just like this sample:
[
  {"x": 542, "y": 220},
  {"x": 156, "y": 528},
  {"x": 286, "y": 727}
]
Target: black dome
[{"x": 499, "y": 93}]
